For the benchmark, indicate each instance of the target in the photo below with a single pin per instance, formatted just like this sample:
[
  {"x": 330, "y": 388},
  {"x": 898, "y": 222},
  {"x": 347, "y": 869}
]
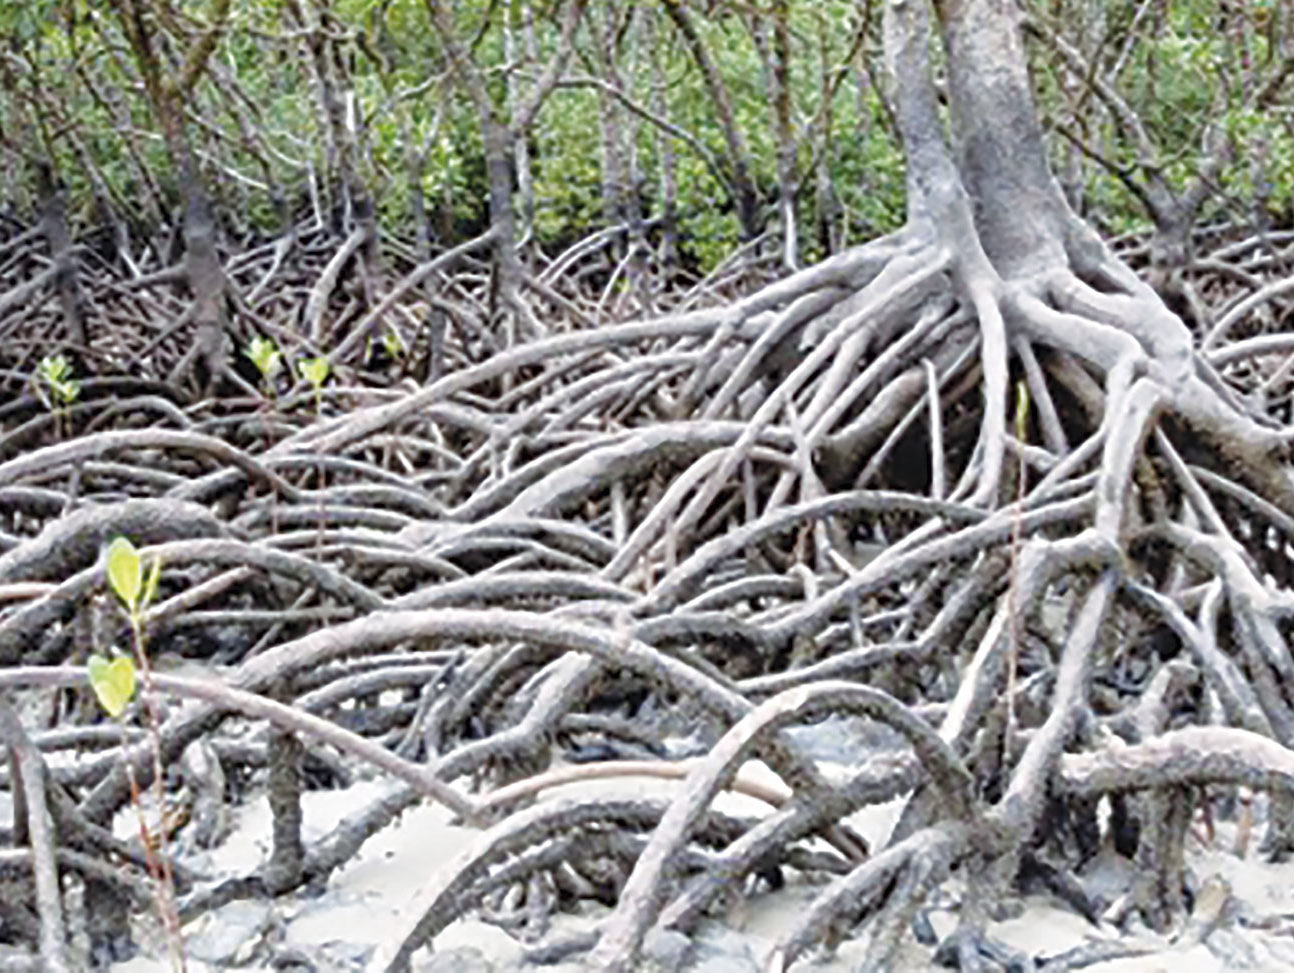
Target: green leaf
[
  {"x": 393, "y": 344},
  {"x": 113, "y": 682},
  {"x": 56, "y": 373},
  {"x": 315, "y": 370},
  {"x": 124, "y": 574},
  {"x": 1021, "y": 410},
  {"x": 54, "y": 369},
  {"x": 66, "y": 392},
  {"x": 154, "y": 576},
  {"x": 265, "y": 356}
]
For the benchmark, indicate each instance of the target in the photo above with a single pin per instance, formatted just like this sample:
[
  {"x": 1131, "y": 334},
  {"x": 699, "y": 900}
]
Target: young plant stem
[
  {"x": 274, "y": 493},
  {"x": 319, "y": 480},
  {"x": 159, "y": 862}
]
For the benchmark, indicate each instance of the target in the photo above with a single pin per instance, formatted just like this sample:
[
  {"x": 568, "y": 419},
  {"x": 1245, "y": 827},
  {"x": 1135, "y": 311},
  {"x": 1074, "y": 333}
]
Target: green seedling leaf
[
  {"x": 66, "y": 392},
  {"x": 154, "y": 576},
  {"x": 54, "y": 369},
  {"x": 393, "y": 344},
  {"x": 1021, "y": 410},
  {"x": 113, "y": 682},
  {"x": 265, "y": 356},
  {"x": 56, "y": 373},
  {"x": 124, "y": 574},
  {"x": 315, "y": 370}
]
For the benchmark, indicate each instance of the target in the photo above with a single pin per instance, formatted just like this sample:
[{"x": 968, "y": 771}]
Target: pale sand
[{"x": 376, "y": 897}]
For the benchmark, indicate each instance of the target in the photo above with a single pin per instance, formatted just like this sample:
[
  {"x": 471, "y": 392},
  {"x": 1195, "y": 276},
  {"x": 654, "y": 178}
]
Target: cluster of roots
[
  {"x": 972, "y": 483},
  {"x": 560, "y": 560}
]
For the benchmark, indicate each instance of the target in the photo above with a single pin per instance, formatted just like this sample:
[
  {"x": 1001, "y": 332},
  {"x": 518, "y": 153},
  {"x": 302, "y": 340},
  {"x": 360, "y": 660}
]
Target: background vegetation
[{"x": 264, "y": 130}]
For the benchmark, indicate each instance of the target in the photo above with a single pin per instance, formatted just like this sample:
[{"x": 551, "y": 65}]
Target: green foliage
[
  {"x": 267, "y": 358},
  {"x": 124, "y": 574},
  {"x": 81, "y": 103},
  {"x": 315, "y": 371},
  {"x": 710, "y": 235},
  {"x": 56, "y": 375},
  {"x": 567, "y": 168},
  {"x": 393, "y": 344},
  {"x": 1022, "y": 411},
  {"x": 1188, "y": 70},
  {"x": 126, "y": 578},
  {"x": 113, "y": 682}
]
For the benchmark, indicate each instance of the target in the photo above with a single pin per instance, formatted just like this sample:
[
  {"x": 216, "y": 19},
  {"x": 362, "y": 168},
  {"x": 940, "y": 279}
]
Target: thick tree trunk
[
  {"x": 519, "y": 321},
  {"x": 513, "y": 51},
  {"x": 745, "y": 194},
  {"x": 776, "y": 55},
  {"x": 59, "y": 241},
  {"x": 668, "y": 166}
]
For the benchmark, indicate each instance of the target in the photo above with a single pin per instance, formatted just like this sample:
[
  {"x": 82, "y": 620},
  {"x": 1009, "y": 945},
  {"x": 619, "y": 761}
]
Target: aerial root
[
  {"x": 536, "y": 826},
  {"x": 537, "y": 838},
  {"x": 643, "y": 894},
  {"x": 924, "y": 856},
  {"x": 895, "y": 913},
  {"x": 756, "y": 523}
]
